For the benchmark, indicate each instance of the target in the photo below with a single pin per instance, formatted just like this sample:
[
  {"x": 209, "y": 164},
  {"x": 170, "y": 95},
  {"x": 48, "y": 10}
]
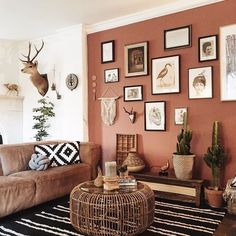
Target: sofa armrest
[{"x": 90, "y": 153}]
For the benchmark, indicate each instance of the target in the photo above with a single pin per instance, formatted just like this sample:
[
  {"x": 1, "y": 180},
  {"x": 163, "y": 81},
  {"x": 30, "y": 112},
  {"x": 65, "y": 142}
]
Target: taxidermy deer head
[
  {"x": 40, "y": 81},
  {"x": 132, "y": 114}
]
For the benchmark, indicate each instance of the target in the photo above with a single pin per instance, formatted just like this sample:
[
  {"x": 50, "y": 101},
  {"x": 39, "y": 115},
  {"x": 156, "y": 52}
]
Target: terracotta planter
[
  {"x": 183, "y": 166},
  {"x": 214, "y": 197}
]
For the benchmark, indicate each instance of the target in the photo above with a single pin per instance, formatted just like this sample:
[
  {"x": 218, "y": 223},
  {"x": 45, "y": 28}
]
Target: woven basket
[
  {"x": 183, "y": 166},
  {"x": 134, "y": 162}
]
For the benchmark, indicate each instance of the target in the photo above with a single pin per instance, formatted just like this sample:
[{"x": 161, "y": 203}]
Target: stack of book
[{"x": 127, "y": 182}]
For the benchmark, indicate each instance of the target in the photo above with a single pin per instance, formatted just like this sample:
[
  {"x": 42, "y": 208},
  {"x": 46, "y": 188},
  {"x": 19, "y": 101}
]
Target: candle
[{"x": 110, "y": 169}]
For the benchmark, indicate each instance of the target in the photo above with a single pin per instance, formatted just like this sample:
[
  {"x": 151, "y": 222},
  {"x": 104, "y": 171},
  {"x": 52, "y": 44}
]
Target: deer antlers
[
  {"x": 28, "y": 56},
  {"x": 40, "y": 81},
  {"x": 132, "y": 114}
]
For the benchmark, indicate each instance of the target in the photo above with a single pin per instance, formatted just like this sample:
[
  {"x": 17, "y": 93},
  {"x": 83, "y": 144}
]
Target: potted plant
[
  {"x": 183, "y": 159},
  {"x": 215, "y": 158},
  {"x": 43, "y": 113}
]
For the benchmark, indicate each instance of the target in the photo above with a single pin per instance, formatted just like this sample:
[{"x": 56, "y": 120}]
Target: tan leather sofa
[{"x": 21, "y": 188}]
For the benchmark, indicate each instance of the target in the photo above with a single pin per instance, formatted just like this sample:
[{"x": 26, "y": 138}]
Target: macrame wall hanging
[{"x": 108, "y": 107}]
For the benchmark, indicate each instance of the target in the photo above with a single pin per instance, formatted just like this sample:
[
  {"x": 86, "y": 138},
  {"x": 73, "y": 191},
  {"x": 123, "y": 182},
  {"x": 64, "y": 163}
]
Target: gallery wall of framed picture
[
  {"x": 206, "y": 52},
  {"x": 165, "y": 70}
]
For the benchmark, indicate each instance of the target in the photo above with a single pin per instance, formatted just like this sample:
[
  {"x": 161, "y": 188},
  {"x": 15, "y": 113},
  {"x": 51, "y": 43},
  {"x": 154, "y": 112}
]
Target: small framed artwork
[
  {"x": 178, "y": 37},
  {"x": 133, "y": 93},
  {"x": 108, "y": 51},
  {"x": 154, "y": 116},
  {"x": 165, "y": 75},
  {"x": 200, "y": 82},
  {"x": 179, "y": 115},
  {"x": 111, "y": 75},
  {"x": 208, "y": 48},
  {"x": 228, "y": 63},
  {"x": 136, "y": 59}
]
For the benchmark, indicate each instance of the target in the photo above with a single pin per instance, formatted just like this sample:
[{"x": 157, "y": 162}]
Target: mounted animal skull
[
  {"x": 40, "y": 81},
  {"x": 132, "y": 114}
]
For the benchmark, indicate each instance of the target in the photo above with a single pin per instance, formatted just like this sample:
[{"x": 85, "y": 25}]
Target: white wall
[
  {"x": 65, "y": 50},
  {"x": 8, "y": 63},
  {"x": 11, "y": 115}
]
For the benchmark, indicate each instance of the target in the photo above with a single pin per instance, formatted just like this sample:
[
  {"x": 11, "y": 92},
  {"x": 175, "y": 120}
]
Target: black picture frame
[
  {"x": 208, "y": 48},
  {"x": 200, "y": 82},
  {"x": 133, "y": 93},
  {"x": 155, "y": 115},
  {"x": 166, "y": 75},
  {"x": 111, "y": 75},
  {"x": 108, "y": 51},
  {"x": 176, "y": 38}
]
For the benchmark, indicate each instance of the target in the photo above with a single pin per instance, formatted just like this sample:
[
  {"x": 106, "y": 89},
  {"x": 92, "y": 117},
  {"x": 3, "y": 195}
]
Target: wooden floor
[{"x": 227, "y": 227}]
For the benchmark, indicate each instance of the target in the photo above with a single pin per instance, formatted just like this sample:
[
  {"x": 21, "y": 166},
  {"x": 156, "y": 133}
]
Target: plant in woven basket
[
  {"x": 184, "y": 138},
  {"x": 43, "y": 113},
  {"x": 215, "y": 158}
]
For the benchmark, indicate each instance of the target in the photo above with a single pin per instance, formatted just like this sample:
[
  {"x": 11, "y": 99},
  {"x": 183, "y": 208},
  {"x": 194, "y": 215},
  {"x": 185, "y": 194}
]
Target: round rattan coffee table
[{"x": 126, "y": 211}]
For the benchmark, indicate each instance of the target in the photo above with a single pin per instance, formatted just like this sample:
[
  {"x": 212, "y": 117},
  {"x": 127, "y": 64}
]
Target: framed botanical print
[
  {"x": 108, "y": 51},
  {"x": 133, "y": 93},
  {"x": 228, "y": 63},
  {"x": 165, "y": 75},
  {"x": 136, "y": 59},
  {"x": 200, "y": 82},
  {"x": 178, "y": 37},
  {"x": 111, "y": 75},
  {"x": 179, "y": 115},
  {"x": 208, "y": 48},
  {"x": 154, "y": 116}
]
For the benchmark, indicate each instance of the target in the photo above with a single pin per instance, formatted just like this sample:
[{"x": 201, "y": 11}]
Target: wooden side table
[
  {"x": 95, "y": 211},
  {"x": 172, "y": 188}
]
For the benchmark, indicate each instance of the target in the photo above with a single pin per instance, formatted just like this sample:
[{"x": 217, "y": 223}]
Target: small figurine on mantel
[
  {"x": 164, "y": 169},
  {"x": 12, "y": 88},
  {"x": 98, "y": 182}
]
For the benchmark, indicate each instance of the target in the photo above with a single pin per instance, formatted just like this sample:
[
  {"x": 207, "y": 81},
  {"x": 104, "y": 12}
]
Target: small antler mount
[{"x": 132, "y": 114}]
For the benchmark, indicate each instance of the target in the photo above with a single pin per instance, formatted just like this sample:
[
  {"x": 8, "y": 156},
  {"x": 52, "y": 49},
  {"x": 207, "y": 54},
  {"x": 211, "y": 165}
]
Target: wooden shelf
[
  {"x": 124, "y": 144},
  {"x": 173, "y": 188}
]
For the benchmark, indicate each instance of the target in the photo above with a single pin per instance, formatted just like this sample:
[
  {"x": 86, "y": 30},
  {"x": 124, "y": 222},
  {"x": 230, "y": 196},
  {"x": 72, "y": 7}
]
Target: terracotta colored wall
[{"x": 157, "y": 147}]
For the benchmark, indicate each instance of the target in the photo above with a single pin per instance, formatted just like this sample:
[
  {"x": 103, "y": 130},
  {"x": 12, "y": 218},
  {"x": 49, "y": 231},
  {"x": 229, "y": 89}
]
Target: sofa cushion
[
  {"x": 14, "y": 192},
  {"x": 58, "y": 181},
  {"x": 39, "y": 162},
  {"x": 60, "y": 154}
]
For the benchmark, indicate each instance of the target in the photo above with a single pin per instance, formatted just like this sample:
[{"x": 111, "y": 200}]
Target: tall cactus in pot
[{"x": 215, "y": 158}]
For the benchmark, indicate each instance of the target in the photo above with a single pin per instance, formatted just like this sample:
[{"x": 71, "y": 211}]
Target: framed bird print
[{"x": 166, "y": 75}]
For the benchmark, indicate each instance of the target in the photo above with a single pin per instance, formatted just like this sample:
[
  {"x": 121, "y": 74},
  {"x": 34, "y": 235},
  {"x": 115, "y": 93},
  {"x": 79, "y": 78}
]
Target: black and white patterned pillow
[{"x": 60, "y": 154}]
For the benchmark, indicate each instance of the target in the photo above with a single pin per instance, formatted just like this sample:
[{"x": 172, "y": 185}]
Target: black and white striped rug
[{"x": 171, "y": 218}]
